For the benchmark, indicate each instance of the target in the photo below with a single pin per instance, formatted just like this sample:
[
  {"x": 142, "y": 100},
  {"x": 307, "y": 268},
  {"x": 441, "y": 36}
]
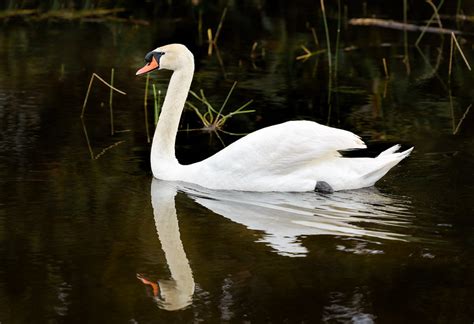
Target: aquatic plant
[
  {"x": 213, "y": 119},
  {"x": 84, "y": 105}
]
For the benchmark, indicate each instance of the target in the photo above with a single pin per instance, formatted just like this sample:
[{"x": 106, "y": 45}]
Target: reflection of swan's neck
[
  {"x": 165, "y": 134},
  {"x": 177, "y": 293}
]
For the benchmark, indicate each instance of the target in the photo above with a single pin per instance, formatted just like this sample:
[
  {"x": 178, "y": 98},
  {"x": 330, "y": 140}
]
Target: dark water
[{"x": 76, "y": 234}]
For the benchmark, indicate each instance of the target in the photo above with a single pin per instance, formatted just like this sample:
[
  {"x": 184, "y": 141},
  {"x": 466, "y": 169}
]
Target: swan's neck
[{"x": 164, "y": 139}]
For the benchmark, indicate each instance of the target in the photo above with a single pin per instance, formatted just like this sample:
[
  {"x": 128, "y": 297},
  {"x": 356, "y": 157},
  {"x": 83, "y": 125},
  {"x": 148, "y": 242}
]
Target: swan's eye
[
  {"x": 148, "y": 57},
  {"x": 157, "y": 55}
]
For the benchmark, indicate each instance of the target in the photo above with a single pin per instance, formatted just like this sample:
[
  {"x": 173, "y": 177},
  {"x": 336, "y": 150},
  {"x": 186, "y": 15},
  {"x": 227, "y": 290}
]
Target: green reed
[{"x": 213, "y": 119}]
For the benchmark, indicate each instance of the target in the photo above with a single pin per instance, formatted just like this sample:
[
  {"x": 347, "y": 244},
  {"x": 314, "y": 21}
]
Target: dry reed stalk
[
  {"x": 338, "y": 34},
  {"x": 315, "y": 36},
  {"x": 406, "y": 59},
  {"x": 385, "y": 68},
  {"x": 107, "y": 148},
  {"x": 213, "y": 40},
  {"x": 145, "y": 105},
  {"x": 462, "y": 119},
  {"x": 94, "y": 75},
  {"x": 435, "y": 15},
  {"x": 450, "y": 67},
  {"x": 110, "y": 103},
  {"x": 460, "y": 51},
  {"x": 328, "y": 45}
]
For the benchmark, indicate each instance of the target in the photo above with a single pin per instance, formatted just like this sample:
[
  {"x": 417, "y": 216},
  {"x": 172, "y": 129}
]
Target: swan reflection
[
  {"x": 177, "y": 292},
  {"x": 283, "y": 218}
]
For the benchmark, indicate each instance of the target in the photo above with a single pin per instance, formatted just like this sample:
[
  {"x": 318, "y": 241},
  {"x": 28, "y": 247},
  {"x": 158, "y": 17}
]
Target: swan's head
[{"x": 169, "y": 57}]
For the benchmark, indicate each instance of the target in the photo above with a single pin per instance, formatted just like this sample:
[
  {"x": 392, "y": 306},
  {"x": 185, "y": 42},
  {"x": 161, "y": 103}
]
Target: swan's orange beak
[{"x": 153, "y": 65}]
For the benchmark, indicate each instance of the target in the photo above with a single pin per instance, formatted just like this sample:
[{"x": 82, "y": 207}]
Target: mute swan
[{"x": 292, "y": 156}]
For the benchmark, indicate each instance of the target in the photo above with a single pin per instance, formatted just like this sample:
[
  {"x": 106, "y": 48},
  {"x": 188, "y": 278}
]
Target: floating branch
[
  {"x": 96, "y": 15},
  {"x": 399, "y": 25},
  {"x": 18, "y": 13},
  {"x": 66, "y": 14}
]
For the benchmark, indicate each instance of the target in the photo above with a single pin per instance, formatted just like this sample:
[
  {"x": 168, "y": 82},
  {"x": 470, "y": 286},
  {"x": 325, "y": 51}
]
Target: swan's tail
[{"x": 384, "y": 162}]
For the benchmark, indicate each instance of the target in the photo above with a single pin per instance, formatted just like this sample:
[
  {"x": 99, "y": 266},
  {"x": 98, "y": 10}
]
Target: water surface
[{"x": 84, "y": 240}]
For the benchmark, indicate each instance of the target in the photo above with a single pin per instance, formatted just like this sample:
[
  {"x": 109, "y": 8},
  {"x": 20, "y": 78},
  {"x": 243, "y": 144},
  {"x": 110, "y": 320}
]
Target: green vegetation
[{"x": 213, "y": 119}]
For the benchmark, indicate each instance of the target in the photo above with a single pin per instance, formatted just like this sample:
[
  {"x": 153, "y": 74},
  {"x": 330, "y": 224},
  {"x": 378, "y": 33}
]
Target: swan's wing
[{"x": 284, "y": 147}]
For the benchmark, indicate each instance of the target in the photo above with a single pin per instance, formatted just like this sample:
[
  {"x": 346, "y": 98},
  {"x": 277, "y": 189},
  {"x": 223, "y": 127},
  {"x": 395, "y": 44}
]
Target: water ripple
[{"x": 286, "y": 217}]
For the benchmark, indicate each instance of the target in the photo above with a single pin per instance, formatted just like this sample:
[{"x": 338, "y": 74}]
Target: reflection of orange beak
[
  {"x": 149, "y": 67},
  {"x": 154, "y": 285}
]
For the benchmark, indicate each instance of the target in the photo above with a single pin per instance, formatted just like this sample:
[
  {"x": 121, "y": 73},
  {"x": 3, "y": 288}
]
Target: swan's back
[{"x": 291, "y": 156}]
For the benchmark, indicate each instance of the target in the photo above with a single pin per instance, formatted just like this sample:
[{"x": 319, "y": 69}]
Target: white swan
[{"x": 292, "y": 156}]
